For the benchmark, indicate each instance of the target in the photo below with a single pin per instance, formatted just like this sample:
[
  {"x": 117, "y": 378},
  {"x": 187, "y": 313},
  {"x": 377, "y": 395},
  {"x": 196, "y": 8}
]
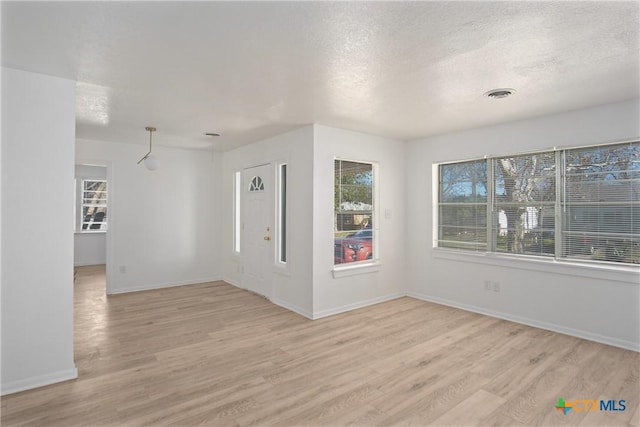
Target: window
[
  {"x": 462, "y": 207},
  {"x": 524, "y": 204},
  {"x": 237, "y": 222},
  {"x": 94, "y": 205},
  {"x": 282, "y": 213},
  {"x": 353, "y": 211},
  {"x": 581, "y": 204},
  {"x": 601, "y": 208}
]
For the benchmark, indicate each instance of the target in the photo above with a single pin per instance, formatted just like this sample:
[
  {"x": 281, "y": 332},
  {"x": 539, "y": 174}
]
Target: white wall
[
  {"x": 164, "y": 227},
  {"x": 38, "y": 132},
  {"x": 333, "y": 295},
  {"x": 595, "y": 303},
  {"x": 292, "y": 288},
  {"x": 308, "y": 287},
  {"x": 89, "y": 248}
]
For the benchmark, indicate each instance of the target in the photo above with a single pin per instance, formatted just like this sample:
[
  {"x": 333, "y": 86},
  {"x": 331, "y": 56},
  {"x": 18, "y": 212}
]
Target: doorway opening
[{"x": 92, "y": 216}]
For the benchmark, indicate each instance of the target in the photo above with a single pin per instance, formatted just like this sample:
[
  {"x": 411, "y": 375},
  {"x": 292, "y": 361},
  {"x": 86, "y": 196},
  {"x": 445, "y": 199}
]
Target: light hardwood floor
[{"x": 212, "y": 354}]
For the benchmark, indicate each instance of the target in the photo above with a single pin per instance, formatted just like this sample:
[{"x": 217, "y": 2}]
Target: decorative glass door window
[{"x": 256, "y": 184}]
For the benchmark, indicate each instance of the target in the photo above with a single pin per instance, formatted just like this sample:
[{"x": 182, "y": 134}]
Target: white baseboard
[
  {"x": 291, "y": 307},
  {"x": 232, "y": 283},
  {"x": 627, "y": 345},
  {"x": 301, "y": 311},
  {"x": 359, "y": 304},
  {"x": 165, "y": 285},
  {"x": 39, "y": 381}
]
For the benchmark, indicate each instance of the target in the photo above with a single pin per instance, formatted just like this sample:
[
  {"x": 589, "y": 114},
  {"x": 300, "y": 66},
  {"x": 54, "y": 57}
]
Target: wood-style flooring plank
[
  {"x": 471, "y": 410},
  {"x": 215, "y": 355}
]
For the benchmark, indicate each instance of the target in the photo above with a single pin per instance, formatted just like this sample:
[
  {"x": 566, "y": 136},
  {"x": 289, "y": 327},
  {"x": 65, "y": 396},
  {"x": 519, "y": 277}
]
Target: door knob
[{"x": 267, "y": 238}]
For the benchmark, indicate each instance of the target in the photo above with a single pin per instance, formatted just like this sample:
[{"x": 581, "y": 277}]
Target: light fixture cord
[{"x": 150, "y": 129}]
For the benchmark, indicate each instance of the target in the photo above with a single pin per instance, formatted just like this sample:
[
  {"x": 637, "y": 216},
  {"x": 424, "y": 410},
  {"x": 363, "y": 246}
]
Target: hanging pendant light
[{"x": 151, "y": 162}]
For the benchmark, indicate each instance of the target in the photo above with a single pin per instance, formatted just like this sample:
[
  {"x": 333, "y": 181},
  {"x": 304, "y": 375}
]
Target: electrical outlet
[
  {"x": 496, "y": 287},
  {"x": 123, "y": 269},
  {"x": 487, "y": 285}
]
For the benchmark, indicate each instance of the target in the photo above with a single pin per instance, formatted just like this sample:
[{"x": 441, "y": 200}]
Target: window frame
[
  {"x": 236, "y": 240},
  {"x": 438, "y": 178},
  {"x": 80, "y": 222},
  {"x": 282, "y": 217},
  {"x": 559, "y": 254},
  {"x": 367, "y": 265},
  {"x": 531, "y": 209},
  {"x": 601, "y": 208}
]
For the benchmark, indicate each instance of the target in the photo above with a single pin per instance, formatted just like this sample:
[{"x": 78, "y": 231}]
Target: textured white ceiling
[{"x": 251, "y": 70}]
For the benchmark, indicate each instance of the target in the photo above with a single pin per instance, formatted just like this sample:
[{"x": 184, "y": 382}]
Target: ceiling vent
[{"x": 499, "y": 93}]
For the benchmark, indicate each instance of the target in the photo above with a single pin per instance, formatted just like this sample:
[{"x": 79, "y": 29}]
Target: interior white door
[{"x": 257, "y": 229}]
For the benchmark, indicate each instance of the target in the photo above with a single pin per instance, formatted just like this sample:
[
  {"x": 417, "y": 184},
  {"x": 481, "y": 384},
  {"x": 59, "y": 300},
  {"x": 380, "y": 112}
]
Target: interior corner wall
[
  {"x": 163, "y": 224},
  {"x": 292, "y": 288},
  {"x": 38, "y": 137},
  {"x": 597, "y": 304},
  {"x": 338, "y": 294}
]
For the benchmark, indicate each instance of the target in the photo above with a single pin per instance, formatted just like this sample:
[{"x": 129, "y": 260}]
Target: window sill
[
  {"x": 353, "y": 270},
  {"x": 91, "y": 232},
  {"x": 621, "y": 274}
]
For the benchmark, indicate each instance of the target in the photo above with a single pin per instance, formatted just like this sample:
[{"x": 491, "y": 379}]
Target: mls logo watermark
[{"x": 584, "y": 405}]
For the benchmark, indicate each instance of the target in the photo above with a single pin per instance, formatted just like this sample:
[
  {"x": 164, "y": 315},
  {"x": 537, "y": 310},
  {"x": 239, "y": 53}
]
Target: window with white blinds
[
  {"x": 463, "y": 206},
  {"x": 601, "y": 207},
  {"x": 524, "y": 204},
  {"x": 580, "y": 204}
]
